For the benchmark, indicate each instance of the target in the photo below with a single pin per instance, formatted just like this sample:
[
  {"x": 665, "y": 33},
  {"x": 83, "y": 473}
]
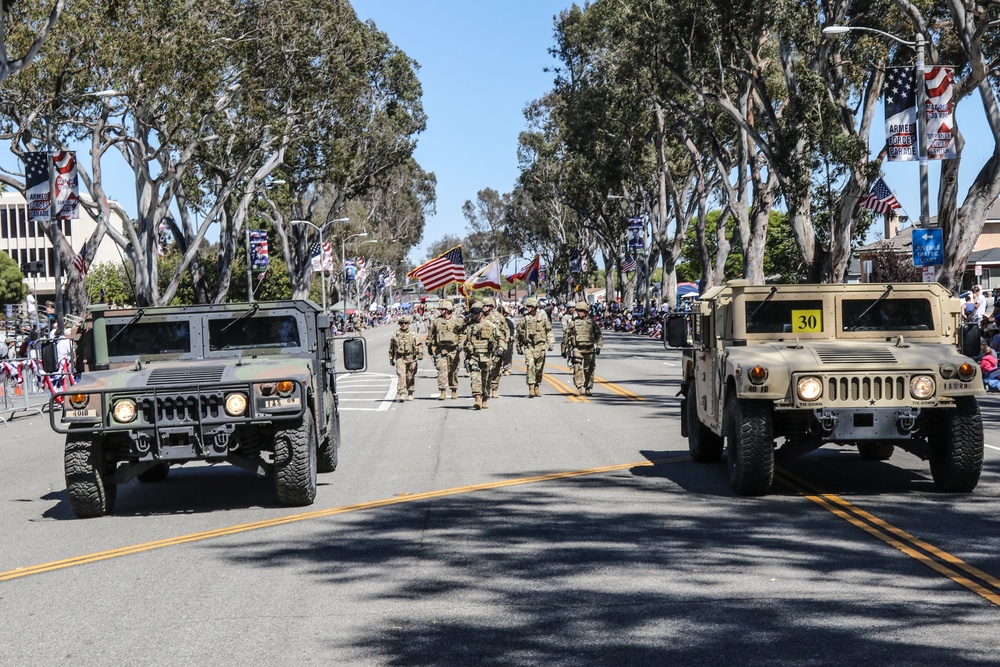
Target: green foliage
[
  {"x": 109, "y": 283},
  {"x": 13, "y": 289}
]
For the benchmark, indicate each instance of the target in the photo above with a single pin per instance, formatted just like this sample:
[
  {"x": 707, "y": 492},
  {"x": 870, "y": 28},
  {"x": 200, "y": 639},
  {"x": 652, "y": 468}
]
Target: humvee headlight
[
  {"x": 966, "y": 372},
  {"x": 124, "y": 410},
  {"x": 78, "y": 401},
  {"x": 757, "y": 374},
  {"x": 285, "y": 388},
  {"x": 809, "y": 388},
  {"x": 236, "y": 404},
  {"x": 921, "y": 387}
]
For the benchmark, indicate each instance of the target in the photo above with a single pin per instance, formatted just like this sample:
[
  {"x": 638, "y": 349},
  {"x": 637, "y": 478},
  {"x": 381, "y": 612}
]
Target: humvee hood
[
  {"x": 845, "y": 355},
  {"x": 206, "y": 372}
]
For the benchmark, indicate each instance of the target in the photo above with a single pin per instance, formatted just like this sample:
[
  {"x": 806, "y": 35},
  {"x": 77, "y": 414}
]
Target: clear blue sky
[{"x": 480, "y": 64}]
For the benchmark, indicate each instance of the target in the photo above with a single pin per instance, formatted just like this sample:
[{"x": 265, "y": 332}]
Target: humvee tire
[
  {"x": 157, "y": 473},
  {"x": 704, "y": 445},
  {"x": 295, "y": 462},
  {"x": 750, "y": 446},
  {"x": 956, "y": 447},
  {"x": 91, "y": 490},
  {"x": 876, "y": 451}
]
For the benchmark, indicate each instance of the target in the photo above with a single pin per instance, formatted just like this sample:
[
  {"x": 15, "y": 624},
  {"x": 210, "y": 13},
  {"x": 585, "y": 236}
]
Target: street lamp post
[
  {"x": 918, "y": 45},
  {"x": 322, "y": 267}
]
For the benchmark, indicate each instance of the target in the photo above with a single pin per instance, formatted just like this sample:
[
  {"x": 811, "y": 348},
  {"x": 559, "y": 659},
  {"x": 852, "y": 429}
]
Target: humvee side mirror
[
  {"x": 354, "y": 354},
  {"x": 971, "y": 340},
  {"x": 675, "y": 331},
  {"x": 48, "y": 353}
]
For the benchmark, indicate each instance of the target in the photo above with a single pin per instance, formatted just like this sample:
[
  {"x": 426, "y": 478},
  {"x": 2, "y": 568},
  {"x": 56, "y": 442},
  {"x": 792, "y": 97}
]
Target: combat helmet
[
  {"x": 477, "y": 307},
  {"x": 405, "y": 319},
  {"x": 446, "y": 304},
  {"x": 489, "y": 301},
  {"x": 582, "y": 305},
  {"x": 570, "y": 305},
  {"x": 531, "y": 302}
]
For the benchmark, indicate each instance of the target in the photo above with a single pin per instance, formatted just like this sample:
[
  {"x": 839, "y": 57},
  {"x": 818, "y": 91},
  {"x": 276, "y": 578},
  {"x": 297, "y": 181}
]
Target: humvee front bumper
[
  {"x": 861, "y": 425},
  {"x": 175, "y": 422}
]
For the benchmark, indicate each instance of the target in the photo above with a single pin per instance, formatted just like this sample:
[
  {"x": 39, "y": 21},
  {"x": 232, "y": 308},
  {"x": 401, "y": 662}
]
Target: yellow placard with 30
[{"x": 807, "y": 321}]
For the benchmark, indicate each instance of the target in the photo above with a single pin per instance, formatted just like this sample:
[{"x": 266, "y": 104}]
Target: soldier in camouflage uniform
[
  {"x": 533, "y": 336},
  {"x": 583, "y": 343},
  {"x": 482, "y": 351},
  {"x": 404, "y": 353},
  {"x": 443, "y": 342},
  {"x": 500, "y": 322}
]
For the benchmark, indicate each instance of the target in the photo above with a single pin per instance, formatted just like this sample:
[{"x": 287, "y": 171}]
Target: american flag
[
  {"x": 440, "y": 271},
  {"x": 880, "y": 199},
  {"x": 900, "y": 90},
  {"x": 629, "y": 264},
  {"x": 80, "y": 264}
]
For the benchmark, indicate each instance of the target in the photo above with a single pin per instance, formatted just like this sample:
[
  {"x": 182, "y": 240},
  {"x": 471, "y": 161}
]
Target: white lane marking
[
  {"x": 992, "y": 447},
  {"x": 389, "y": 396},
  {"x": 377, "y": 393}
]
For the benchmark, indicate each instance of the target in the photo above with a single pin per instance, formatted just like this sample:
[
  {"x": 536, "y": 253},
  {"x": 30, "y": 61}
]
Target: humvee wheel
[
  {"x": 329, "y": 445},
  {"x": 295, "y": 462},
  {"x": 876, "y": 451},
  {"x": 157, "y": 473},
  {"x": 90, "y": 487},
  {"x": 956, "y": 447},
  {"x": 750, "y": 447},
  {"x": 704, "y": 445}
]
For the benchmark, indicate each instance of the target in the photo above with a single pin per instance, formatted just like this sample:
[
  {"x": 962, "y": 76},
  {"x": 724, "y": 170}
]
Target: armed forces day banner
[{"x": 901, "y": 114}]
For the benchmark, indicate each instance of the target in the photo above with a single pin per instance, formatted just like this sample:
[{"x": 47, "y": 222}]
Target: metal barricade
[{"x": 25, "y": 388}]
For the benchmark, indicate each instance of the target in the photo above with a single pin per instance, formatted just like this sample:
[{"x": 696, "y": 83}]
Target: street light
[
  {"x": 918, "y": 46},
  {"x": 322, "y": 267}
]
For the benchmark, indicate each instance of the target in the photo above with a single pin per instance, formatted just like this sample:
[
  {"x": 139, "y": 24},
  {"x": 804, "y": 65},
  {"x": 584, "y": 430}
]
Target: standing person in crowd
[
  {"x": 980, "y": 301},
  {"x": 533, "y": 336},
  {"x": 31, "y": 303},
  {"x": 482, "y": 351},
  {"x": 584, "y": 343},
  {"x": 443, "y": 342},
  {"x": 500, "y": 324},
  {"x": 404, "y": 353},
  {"x": 968, "y": 309}
]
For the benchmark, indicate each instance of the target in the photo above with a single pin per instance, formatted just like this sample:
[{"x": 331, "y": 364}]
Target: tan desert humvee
[{"x": 868, "y": 365}]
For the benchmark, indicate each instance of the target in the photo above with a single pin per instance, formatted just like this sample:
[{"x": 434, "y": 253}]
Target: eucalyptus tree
[
  {"x": 36, "y": 28},
  {"x": 487, "y": 238},
  {"x": 372, "y": 117}
]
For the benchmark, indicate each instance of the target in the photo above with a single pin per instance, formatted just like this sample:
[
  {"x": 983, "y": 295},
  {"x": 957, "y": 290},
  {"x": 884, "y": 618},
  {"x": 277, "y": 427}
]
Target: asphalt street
[{"x": 562, "y": 530}]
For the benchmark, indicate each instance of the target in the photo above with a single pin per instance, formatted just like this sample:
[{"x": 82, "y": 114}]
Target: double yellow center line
[
  {"x": 981, "y": 583},
  {"x": 570, "y": 392}
]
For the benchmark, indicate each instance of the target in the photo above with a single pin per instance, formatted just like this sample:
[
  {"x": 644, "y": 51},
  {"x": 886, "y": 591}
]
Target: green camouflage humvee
[
  {"x": 873, "y": 366},
  {"x": 250, "y": 384}
]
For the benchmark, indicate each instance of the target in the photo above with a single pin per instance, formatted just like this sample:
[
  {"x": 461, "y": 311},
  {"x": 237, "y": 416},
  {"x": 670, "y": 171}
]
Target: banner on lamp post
[
  {"x": 940, "y": 82},
  {"x": 900, "y": 115},
  {"x": 259, "y": 257}
]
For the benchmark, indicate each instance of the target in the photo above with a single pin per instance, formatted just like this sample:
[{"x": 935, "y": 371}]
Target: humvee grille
[
  {"x": 182, "y": 408},
  {"x": 189, "y": 375},
  {"x": 865, "y": 389},
  {"x": 838, "y": 355}
]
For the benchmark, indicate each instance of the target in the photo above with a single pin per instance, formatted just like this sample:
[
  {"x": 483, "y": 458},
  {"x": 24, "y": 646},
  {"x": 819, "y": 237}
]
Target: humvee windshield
[
  {"x": 146, "y": 338},
  {"x": 798, "y": 316},
  {"x": 274, "y": 331},
  {"x": 887, "y": 315}
]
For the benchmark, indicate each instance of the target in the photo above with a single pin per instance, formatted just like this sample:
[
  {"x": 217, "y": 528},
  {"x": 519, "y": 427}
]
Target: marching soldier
[
  {"x": 533, "y": 336},
  {"x": 443, "y": 342},
  {"x": 583, "y": 344},
  {"x": 500, "y": 323},
  {"x": 404, "y": 353},
  {"x": 482, "y": 351}
]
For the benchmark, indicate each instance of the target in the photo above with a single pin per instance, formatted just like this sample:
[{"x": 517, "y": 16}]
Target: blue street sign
[{"x": 928, "y": 247}]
